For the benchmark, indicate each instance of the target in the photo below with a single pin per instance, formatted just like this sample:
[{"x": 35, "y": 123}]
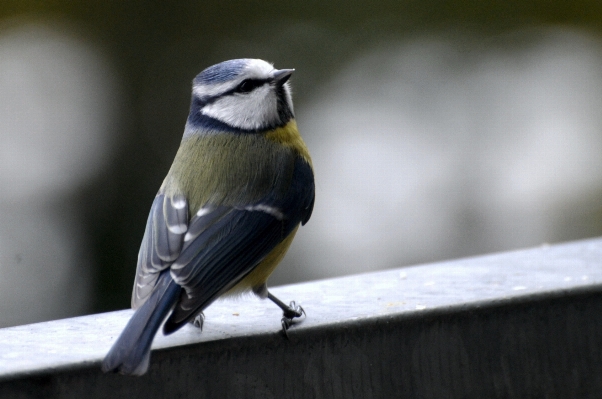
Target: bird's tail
[{"x": 130, "y": 354}]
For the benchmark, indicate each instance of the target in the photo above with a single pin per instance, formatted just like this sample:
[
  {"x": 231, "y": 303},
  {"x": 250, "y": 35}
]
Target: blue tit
[{"x": 239, "y": 187}]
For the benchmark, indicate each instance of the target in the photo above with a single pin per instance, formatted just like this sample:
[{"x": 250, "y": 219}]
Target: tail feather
[{"x": 130, "y": 354}]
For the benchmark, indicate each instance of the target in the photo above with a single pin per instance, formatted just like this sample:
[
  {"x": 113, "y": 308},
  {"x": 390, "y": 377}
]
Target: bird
[{"x": 240, "y": 185}]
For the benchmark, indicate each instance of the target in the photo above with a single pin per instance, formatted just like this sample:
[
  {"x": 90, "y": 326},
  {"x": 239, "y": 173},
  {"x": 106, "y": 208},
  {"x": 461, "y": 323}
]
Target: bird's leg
[
  {"x": 198, "y": 320},
  {"x": 288, "y": 312}
]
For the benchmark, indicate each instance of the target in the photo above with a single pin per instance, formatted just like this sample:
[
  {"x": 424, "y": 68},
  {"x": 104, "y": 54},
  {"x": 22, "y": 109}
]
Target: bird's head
[{"x": 246, "y": 95}]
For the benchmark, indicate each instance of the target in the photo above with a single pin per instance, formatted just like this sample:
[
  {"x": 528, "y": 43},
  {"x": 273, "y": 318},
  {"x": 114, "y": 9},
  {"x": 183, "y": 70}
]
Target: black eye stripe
[{"x": 248, "y": 85}]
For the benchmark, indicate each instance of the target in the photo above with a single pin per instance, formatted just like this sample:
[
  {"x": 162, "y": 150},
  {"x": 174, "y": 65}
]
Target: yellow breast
[{"x": 289, "y": 136}]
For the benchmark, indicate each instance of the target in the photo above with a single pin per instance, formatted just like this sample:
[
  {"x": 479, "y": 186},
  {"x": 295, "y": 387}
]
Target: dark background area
[{"x": 142, "y": 55}]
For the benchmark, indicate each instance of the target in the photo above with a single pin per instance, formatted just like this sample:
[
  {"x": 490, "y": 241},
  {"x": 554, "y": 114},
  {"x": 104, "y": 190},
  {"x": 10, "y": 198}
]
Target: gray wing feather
[{"x": 162, "y": 243}]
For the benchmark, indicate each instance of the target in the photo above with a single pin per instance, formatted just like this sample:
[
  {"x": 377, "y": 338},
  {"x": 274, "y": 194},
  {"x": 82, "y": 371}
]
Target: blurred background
[{"x": 438, "y": 129}]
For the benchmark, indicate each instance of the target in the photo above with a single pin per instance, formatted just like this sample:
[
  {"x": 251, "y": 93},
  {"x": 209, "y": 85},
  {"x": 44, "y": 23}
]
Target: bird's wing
[{"x": 162, "y": 242}]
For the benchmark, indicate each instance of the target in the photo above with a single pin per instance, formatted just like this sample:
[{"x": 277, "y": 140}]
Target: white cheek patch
[{"x": 246, "y": 111}]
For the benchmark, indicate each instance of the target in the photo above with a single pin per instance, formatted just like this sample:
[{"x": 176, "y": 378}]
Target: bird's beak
[{"x": 280, "y": 76}]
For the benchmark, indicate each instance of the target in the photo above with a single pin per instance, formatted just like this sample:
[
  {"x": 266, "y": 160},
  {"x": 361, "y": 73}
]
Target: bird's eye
[{"x": 248, "y": 85}]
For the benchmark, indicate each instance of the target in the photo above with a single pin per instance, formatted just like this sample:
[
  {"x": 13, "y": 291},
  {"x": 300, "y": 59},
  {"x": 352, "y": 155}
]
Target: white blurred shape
[
  {"x": 425, "y": 151},
  {"x": 56, "y": 95},
  {"x": 57, "y": 110}
]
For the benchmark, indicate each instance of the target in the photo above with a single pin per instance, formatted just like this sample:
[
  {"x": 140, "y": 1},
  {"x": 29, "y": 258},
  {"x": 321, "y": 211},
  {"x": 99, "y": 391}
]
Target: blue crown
[{"x": 221, "y": 72}]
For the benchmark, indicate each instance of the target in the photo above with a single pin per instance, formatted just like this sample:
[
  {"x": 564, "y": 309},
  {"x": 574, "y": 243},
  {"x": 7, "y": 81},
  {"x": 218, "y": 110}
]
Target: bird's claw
[
  {"x": 199, "y": 320},
  {"x": 289, "y": 314}
]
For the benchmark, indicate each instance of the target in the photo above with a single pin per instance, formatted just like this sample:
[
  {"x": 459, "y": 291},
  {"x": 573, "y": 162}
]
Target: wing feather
[{"x": 162, "y": 243}]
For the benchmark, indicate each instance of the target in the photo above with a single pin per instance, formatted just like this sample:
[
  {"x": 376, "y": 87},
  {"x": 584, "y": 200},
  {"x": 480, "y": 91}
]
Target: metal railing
[{"x": 510, "y": 325}]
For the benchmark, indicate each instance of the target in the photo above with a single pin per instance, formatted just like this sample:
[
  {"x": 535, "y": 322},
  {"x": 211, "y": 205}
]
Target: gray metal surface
[{"x": 510, "y": 325}]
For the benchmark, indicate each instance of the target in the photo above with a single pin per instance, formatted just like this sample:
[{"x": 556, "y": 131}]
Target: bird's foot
[
  {"x": 289, "y": 315},
  {"x": 198, "y": 321}
]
